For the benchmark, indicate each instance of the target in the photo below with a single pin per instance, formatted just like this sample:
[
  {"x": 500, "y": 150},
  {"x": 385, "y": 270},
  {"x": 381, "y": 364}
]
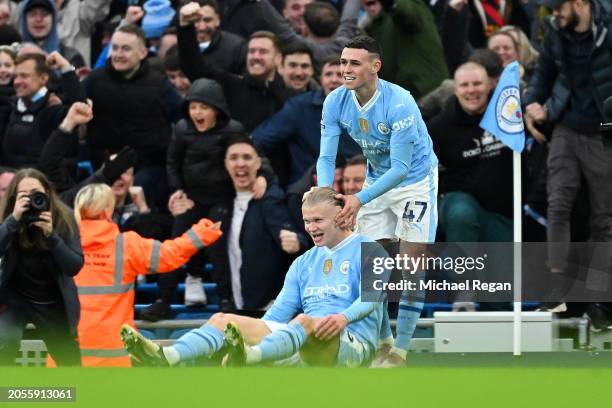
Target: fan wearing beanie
[{"x": 158, "y": 15}]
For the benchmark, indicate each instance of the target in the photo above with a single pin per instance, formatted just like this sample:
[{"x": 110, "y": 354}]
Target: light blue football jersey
[
  {"x": 389, "y": 129},
  {"x": 326, "y": 281}
]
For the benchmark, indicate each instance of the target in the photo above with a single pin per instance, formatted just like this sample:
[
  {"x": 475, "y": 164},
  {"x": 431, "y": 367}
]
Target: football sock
[
  {"x": 203, "y": 341},
  {"x": 410, "y": 308},
  {"x": 282, "y": 343}
]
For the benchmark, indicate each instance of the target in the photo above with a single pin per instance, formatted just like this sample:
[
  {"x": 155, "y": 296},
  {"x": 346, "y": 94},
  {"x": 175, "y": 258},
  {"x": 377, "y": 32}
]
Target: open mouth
[
  {"x": 473, "y": 99},
  {"x": 241, "y": 175},
  {"x": 317, "y": 237},
  {"x": 348, "y": 78}
]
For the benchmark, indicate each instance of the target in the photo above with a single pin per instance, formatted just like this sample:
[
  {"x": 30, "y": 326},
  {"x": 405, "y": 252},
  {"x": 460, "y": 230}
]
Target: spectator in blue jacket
[{"x": 298, "y": 125}]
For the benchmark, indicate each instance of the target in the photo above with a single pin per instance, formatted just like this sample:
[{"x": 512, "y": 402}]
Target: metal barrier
[{"x": 33, "y": 353}]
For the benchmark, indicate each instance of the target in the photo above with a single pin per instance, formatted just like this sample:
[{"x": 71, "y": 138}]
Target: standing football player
[{"x": 398, "y": 200}]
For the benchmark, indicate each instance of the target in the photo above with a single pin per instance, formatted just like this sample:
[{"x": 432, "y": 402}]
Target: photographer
[{"x": 41, "y": 253}]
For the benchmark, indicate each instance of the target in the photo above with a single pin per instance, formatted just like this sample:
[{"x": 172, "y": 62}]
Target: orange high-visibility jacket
[{"x": 113, "y": 260}]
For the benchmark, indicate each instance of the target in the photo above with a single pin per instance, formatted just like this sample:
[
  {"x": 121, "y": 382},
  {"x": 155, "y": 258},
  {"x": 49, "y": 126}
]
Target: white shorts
[
  {"x": 407, "y": 213},
  {"x": 353, "y": 351}
]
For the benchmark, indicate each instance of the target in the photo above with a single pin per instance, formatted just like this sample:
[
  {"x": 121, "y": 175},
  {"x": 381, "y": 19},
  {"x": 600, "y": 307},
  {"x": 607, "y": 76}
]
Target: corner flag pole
[
  {"x": 504, "y": 119},
  {"x": 517, "y": 217}
]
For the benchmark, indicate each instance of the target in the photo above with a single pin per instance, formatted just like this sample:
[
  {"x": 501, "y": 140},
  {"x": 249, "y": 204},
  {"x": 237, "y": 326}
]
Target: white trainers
[{"x": 194, "y": 292}]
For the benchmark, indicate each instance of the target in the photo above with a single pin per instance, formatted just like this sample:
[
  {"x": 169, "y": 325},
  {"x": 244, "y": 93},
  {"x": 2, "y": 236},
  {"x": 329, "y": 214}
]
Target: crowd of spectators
[{"x": 212, "y": 109}]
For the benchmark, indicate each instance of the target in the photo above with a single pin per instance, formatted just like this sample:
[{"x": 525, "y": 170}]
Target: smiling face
[
  {"x": 7, "y": 68},
  {"x": 127, "y": 51},
  {"x": 242, "y": 163},
  {"x": 353, "y": 178},
  {"x": 359, "y": 68},
  {"x": 297, "y": 71},
  {"x": 262, "y": 58},
  {"x": 566, "y": 15},
  {"x": 207, "y": 24},
  {"x": 294, "y": 12},
  {"x": 203, "y": 116},
  {"x": 27, "y": 81},
  {"x": 331, "y": 77},
  {"x": 505, "y": 47},
  {"x": 39, "y": 21},
  {"x": 319, "y": 222},
  {"x": 472, "y": 87}
]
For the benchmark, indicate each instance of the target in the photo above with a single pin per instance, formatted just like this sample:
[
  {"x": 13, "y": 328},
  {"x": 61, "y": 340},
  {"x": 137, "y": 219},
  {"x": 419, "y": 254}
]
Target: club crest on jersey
[
  {"x": 508, "y": 110},
  {"x": 383, "y": 128},
  {"x": 363, "y": 124},
  {"x": 344, "y": 267},
  {"x": 327, "y": 266}
]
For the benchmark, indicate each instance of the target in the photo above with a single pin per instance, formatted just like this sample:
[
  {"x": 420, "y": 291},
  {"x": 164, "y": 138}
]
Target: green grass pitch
[{"x": 546, "y": 380}]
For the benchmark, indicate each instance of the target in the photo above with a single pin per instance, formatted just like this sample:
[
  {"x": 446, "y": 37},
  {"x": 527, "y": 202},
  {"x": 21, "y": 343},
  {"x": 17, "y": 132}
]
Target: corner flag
[{"x": 504, "y": 116}]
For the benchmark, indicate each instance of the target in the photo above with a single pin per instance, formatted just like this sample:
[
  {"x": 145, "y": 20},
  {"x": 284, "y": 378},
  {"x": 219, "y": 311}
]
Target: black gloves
[{"x": 113, "y": 169}]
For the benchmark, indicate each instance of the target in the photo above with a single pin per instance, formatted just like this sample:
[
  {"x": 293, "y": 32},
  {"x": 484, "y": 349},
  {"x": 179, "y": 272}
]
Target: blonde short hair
[
  {"x": 92, "y": 200},
  {"x": 320, "y": 195}
]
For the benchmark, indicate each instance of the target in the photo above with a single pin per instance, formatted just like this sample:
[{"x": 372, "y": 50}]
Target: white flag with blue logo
[{"x": 504, "y": 115}]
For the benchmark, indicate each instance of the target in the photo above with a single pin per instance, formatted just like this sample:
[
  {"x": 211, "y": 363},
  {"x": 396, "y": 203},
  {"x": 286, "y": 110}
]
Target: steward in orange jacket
[{"x": 113, "y": 260}]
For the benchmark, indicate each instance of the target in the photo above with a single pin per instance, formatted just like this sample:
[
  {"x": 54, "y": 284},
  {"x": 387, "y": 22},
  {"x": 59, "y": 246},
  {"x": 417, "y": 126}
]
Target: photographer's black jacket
[{"x": 67, "y": 257}]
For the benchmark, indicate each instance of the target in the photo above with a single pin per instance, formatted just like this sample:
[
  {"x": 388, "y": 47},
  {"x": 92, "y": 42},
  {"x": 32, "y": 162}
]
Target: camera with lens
[{"x": 39, "y": 202}]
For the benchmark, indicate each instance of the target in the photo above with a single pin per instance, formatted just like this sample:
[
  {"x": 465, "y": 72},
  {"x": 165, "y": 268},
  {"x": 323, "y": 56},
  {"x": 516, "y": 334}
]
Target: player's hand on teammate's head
[{"x": 346, "y": 218}]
